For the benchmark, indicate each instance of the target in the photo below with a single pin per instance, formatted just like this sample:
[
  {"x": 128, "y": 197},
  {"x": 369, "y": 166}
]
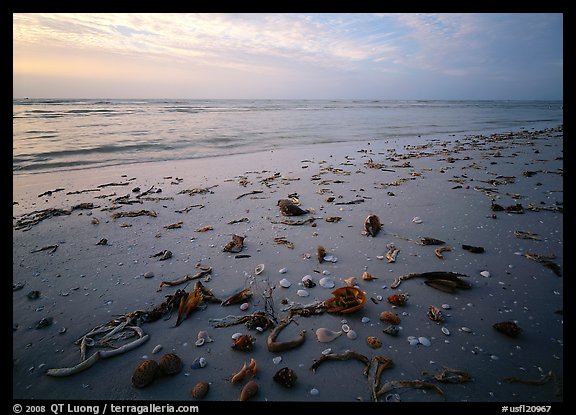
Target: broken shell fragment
[
  {"x": 203, "y": 334},
  {"x": 398, "y": 299},
  {"x": 366, "y": 276},
  {"x": 351, "y": 281},
  {"x": 445, "y": 331},
  {"x": 390, "y": 317},
  {"x": 391, "y": 330},
  {"x": 416, "y": 219},
  {"x": 200, "y": 390},
  {"x": 244, "y": 343},
  {"x": 145, "y": 373},
  {"x": 345, "y": 300},
  {"x": 308, "y": 282},
  {"x": 508, "y": 328},
  {"x": 485, "y": 274},
  {"x": 325, "y": 335},
  {"x": 170, "y": 364},
  {"x": 435, "y": 314},
  {"x": 286, "y": 377},
  {"x": 198, "y": 363},
  {"x": 249, "y": 390},
  {"x": 285, "y": 283},
  {"x": 373, "y": 342},
  {"x": 372, "y": 225},
  {"x": 259, "y": 269},
  {"x": 235, "y": 245}
]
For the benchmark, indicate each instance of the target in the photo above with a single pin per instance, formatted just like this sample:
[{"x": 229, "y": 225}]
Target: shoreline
[{"x": 448, "y": 184}]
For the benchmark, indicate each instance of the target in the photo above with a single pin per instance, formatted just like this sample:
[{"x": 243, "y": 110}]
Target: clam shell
[
  {"x": 170, "y": 364},
  {"x": 302, "y": 293},
  {"x": 200, "y": 342},
  {"x": 200, "y": 390},
  {"x": 198, "y": 363},
  {"x": 391, "y": 330},
  {"x": 416, "y": 219},
  {"x": 244, "y": 306},
  {"x": 424, "y": 341},
  {"x": 285, "y": 283},
  {"x": 236, "y": 335},
  {"x": 259, "y": 269},
  {"x": 325, "y": 335},
  {"x": 327, "y": 282},
  {"x": 249, "y": 390},
  {"x": 314, "y": 391},
  {"x": 145, "y": 373},
  {"x": 373, "y": 342},
  {"x": 352, "y": 335},
  {"x": 389, "y": 317},
  {"x": 445, "y": 331}
]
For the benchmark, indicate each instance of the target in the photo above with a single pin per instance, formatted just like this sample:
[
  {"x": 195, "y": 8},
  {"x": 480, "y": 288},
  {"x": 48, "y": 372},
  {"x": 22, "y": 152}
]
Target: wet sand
[{"x": 449, "y": 184}]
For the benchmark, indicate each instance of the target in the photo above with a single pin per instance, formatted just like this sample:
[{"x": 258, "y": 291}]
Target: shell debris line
[{"x": 225, "y": 313}]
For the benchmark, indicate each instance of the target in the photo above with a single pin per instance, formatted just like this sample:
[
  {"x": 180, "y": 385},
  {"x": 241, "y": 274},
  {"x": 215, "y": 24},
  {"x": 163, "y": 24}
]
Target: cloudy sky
[{"x": 334, "y": 56}]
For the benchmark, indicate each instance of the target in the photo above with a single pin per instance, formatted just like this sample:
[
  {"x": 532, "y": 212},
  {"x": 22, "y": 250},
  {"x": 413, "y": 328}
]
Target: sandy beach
[{"x": 81, "y": 262}]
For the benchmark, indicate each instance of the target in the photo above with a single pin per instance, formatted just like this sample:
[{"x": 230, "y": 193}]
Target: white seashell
[
  {"x": 260, "y": 329},
  {"x": 412, "y": 340},
  {"x": 379, "y": 297},
  {"x": 365, "y": 320},
  {"x": 157, "y": 349},
  {"x": 244, "y": 306},
  {"x": 326, "y": 335},
  {"x": 306, "y": 278},
  {"x": 328, "y": 258},
  {"x": 303, "y": 293},
  {"x": 380, "y": 257},
  {"x": 277, "y": 359},
  {"x": 200, "y": 342},
  {"x": 285, "y": 283},
  {"x": 259, "y": 269},
  {"x": 282, "y": 270},
  {"x": 424, "y": 341},
  {"x": 445, "y": 331},
  {"x": 485, "y": 274},
  {"x": 326, "y": 351},
  {"x": 326, "y": 272},
  {"x": 314, "y": 391},
  {"x": 417, "y": 219},
  {"x": 494, "y": 357},
  {"x": 236, "y": 335},
  {"x": 446, "y": 306},
  {"x": 345, "y": 328},
  {"x": 352, "y": 335},
  {"x": 327, "y": 282},
  {"x": 466, "y": 329},
  {"x": 203, "y": 334}
]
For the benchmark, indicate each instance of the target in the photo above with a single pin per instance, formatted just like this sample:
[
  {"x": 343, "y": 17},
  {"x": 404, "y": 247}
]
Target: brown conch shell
[
  {"x": 345, "y": 300},
  {"x": 435, "y": 314},
  {"x": 200, "y": 390},
  {"x": 170, "y": 364},
  {"x": 390, "y": 318},
  {"x": 372, "y": 225},
  {"x": 398, "y": 299},
  {"x": 249, "y": 390},
  {"x": 145, "y": 373}
]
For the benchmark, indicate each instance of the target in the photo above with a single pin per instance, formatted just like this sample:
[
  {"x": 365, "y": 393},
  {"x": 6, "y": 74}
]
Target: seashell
[
  {"x": 149, "y": 274},
  {"x": 446, "y": 306},
  {"x": 283, "y": 270},
  {"x": 198, "y": 363},
  {"x": 509, "y": 328},
  {"x": 351, "y": 281},
  {"x": 236, "y": 245},
  {"x": 145, "y": 373},
  {"x": 62, "y": 330},
  {"x": 249, "y": 390},
  {"x": 244, "y": 343},
  {"x": 200, "y": 342},
  {"x": 203, "y": 334},
  {"x": 320, "y": 253},
  {"x": 352, "y": 335},
  {"x": 244, "y": 306},
  {"x": 413, "y": 341},
  {"x": 170, "y": 364},
  {"x": 365, "y": 320},
  {"x": 345, "y": 328},
  {"x": 326, "y": 335},
  {"x": 200, "y": 390},
  {"x": 390, "y": 317},
  {"x": 373, "y": 342},
  {"x": 156, "y": 349},
  {"x": 286, "y": 377},
  {"x": 434, "y": 314},
  {"x": 366, "y": 276},
  {"x": 392, "y": 397},
  {"x": 398, "y": 299},
  {"x": 345, "y": 300},
  {"x": 485, "y": 274},
  {"x": 327, "y": 282},
  {"x": 259, "y": 269},
  {"x": 302, "y": 293},
  {"x": 236, "y": 335},
  {"x": 445, "y": 331},
  {"x": 466, "y": 329},
  {"x": 416, "y": 219},
  {"x": 276, "y": 359},
  {"x": 372, "y": 225},
  {"x": 314, "y": 391},
  {"x": 330, "y": 258},
  {"x": 424, "y": 341},
  {"x": 391, "y": 330},
  {"x": 285, "y": 283},
  {"x": 325, "y": 272},
  {"x": 45, "y": 322}
]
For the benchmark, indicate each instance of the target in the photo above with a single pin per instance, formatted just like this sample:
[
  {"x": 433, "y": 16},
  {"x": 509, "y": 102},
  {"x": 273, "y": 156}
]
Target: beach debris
[
  {"x": 302, "y": 293},
  {"x": 545, "y": 378},
  {"x": 44, "y": 322},
  {"x": 157, "y": 349},
  {"x": 509, "y": 328},
  {"x": 435, "y": 314},
  {"x": 170, "y": 364},
  {"x": 374, "y": 342},
  {"x": 285, "y": 377},
  {"x": 527, "y": 235},
  {"x": 424, "y": 341},
  {"x": 441, "y": 280},
  {"x": 253, "y": 192},
  {"x": 453, "y": 376},
  {"x": 102, "y": 242},
  {"x": 200, "y": 390},
  {"x": 345, "y": 300},
  {"x": 244, "y": 306},
  {"x": 426, "y": 240},
  {"x": 398, "y": 299},
  {"x": 145, "y": 373},
  {"x": 333, "y": 219},
  {"x": 351, "y": 281},
  {"x": 134, "y": 213},
  {"x": 249, "y": 391},
  {"x": 366, "y": 276},
  {"x": 235, "y": 245},
  {"x": 351, "y": 334},
  {"x": 203, "y": 272},
  {"x": 372, "y": 225},
  {"x": 438, "y": 251},
  {"x": 197, "y": 191},
  {"x": 392, "y": 253},
  {"x": 283, "y": 270},
  {"x": 517, "y": 208},
  {"x": 18, "y": 286},
  {"x": 473, "y": 249},
  {"x": 244, "y": 343},
  {"x": 417, "y": 220},
  {"x": 199, "y": 363},
  {"x": 308, "y": 282},
  {"x": 346, "y": 355},
  {"x": 283, "y": 241},
  {"x": 189, "y": 208},
  {"x": 190, "y": 301},
  {"x": 485, "y": 274},
  {"x": 399, "y": 384},
  {"x": 275, "y": 346},
  {"x": 320, "y": 253},
  {"x": 239, "y": 297},
  {"x": 232, "y": 222},
  {"x": 545, "y": 260},
  {"x": 382, "y": 364},
  {"x": 295, "y": 222},
  {"x": 391, "y": 330},
  {"x": 204, "y": 337},
  {"x": 392, "y": 398},
  {"x": 445, "y": 331},
  {"x": 350, "y": 202},
  {"x": 285, "y": 283},
  {"x": 247, "y": 370},
  {"x": 176, "y": 225},
  {"x": 259, "y": 269},
  {"x": 314, "y": 392},
  {"x": 204, "y": 229},
  {"x": 466, "y": 329},
  {"x": 327, "y": 282},
  {"x": 49, "y": 192},
  {"x": 289, "y": 208},
  {"x": 51, "y": 248},
  {"x": 33, "y": 295},
  {"x": 27, "y": 220},
  {"x": 164, "y": 255},
  {"x": 324, "y": 335}
]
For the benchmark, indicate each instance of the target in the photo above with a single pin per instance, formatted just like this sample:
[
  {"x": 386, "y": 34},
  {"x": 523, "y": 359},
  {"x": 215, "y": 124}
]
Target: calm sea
[{"x": 70, "y": 134}]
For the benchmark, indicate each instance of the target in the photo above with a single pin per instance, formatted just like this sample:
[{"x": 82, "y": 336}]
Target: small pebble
[
  {"x": 352, "y": 335},
  {"x": 314, "y": 391},
  {"x": 285, "y": 283},
  {"x": 282, "y": 270},
  {"x": 303, "y": 293},
  {"x": 244, "y": 306},
  {"x": 485, "y": 274},
  {"x": 149, "y": 274},
  {"x": 277, "y": 359},
  {"x": 365, "y": 320}
]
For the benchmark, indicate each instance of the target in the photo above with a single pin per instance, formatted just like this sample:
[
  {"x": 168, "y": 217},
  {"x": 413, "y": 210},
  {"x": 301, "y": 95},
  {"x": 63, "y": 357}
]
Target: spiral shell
[{"x": 145, "y": 373}]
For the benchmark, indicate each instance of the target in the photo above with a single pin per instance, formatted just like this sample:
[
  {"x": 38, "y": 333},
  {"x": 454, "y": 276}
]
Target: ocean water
[{"x": 55, "y": 134}]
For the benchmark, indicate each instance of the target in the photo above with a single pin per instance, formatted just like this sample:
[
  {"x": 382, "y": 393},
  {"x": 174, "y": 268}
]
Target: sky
[{"x": 288, "y": 56}]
